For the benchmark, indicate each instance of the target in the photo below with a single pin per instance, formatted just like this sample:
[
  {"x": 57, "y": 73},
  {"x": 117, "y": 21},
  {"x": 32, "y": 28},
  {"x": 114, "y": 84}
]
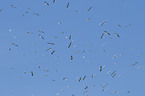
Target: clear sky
[{"x": 35, "y": 39}]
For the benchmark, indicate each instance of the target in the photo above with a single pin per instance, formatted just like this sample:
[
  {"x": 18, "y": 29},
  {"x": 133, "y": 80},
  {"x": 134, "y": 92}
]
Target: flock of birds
[{"x": 81, "y": 78}]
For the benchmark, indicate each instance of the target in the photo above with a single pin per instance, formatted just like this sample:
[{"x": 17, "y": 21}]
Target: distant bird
[
  {"x": 9, "y": 49},
  {"x": 30, "y": 32},
  {"x": 15, "y": 44},
  {"x": 92, "y": 76},
  {"x": 41, "y": 37},
  {"x": 69, "y": 44},
  {"x": 71, "y": 57},
  {"x": 88, "y": 18},
  {"x": 67, "y": 5},
  {"x": 117, "y": 34},
  {"x": 70, "y": 37},
  {"x": 53, "y": 1},
  {"x": 64, "y": 78},
  {"x": 52, "y": 52},
  {"x": 32, "y": 73},
  {"x": 79, "y": 79},
  {"x": 107, "y": 32},
  {"x": 118, "y": 25},
  {"x": 101, "y": 24},
  {"x": 105, "y": 85},
  {"x": 46, "y": 3},
  {"x": 41, "y": 31},
  {"x": 90, "y": 8},
  {"x": 36, "y": 14},
  {"x": 86, "y": 87},
  {"x": 48, "y": 49},
  {"x": 100, "y": 68},
  {"x": 84, "y": 77},
  {"x": 102, "y": 35},
  {"x": 51, "y": 43},
  {"x": 1, "y": 10},
  {"x": 134, "y": 64},
  {"x": 12, "y": 6}
]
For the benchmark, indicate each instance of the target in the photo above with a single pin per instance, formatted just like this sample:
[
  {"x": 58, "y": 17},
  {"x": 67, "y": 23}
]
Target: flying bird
[
  {"x": 117, "y": 34},
  {"x": 36, "y": 14},
  {"x": 92, "y": 76},
  {"x": 100, "y": 68},
  {"x": 41, "y": 31},
  {"x": 41, "y": 37},
  {"x": 1, "y": 10},
  {"x": 84, "y": 77},
  {"x": 90, "y": 8},
  {"x": 134, "y": 64},
  {"x": 107, "y": 32},
  {"x": 51, "y": 43},
  {"x": 105, "y": 85},
  {"x": 53, "y": 1},
  {"x": 71, "y": 57},
  {"x": 9, "y": 49},
  {"x": 69, "y": 44},
  {"x": 64, "y": 78},
  {"x": 102, "y": 35},
  {"x": 32, "y": 73},
  {"x": 70, "y": 37},
  {"x": 15, "y": 44},
  {"x": 30, "y": 32},
  {"x": 48, "y": 49},
  {"x": 12, "y": 6},
  {"x": 101, "y": 24},
  {"x": 79, "y": 79},
  {"x": 118, "y": 25},
  {"x": 88, "y": 18},
  {"x": 46, "y": 3},
  {"x": 86, "y": 87},
  {"x": 52, "y": 52},
  {"x": 67, "y": 5}
]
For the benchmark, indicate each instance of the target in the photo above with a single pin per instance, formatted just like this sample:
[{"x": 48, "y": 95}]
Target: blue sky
[{"x": 89, "y": 51}]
